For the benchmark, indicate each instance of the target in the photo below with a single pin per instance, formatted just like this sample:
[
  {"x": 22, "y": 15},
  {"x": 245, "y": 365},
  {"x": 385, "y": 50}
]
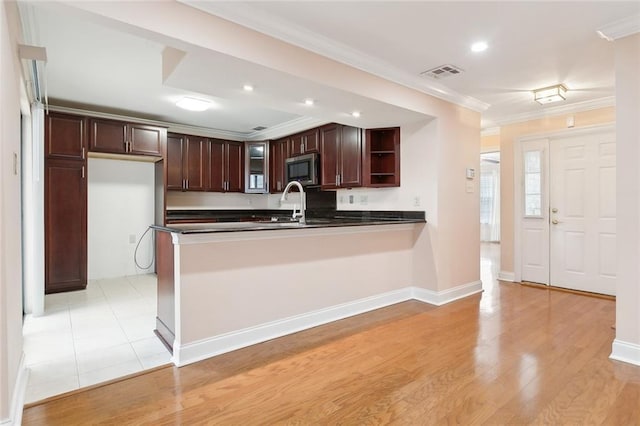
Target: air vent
[
  {"x": 257, "y": 129},
  {"x": 442, "y": 71}
]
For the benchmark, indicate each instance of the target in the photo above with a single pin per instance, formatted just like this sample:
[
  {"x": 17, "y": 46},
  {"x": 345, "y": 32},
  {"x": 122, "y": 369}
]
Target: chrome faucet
[{"x": 303, "y": 201}]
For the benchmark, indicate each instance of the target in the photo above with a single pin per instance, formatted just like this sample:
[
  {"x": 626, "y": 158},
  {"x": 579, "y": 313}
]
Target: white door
[
  {"x": 583, "y": 213},
  {"x": 568, "y": 226},
  {"x": 535, "y": 220}
]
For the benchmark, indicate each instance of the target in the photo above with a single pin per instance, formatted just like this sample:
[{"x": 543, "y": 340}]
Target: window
[{"x": 533, "y": 184}]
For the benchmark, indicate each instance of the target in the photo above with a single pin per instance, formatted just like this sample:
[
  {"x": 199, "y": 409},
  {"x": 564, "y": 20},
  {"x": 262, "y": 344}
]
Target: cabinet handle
[
  {"x": 302, "y": 147},
  {"x": 83, "y": 152},
  {"x": 82, "y": 172},
  {"x": 186, "y": 183}
]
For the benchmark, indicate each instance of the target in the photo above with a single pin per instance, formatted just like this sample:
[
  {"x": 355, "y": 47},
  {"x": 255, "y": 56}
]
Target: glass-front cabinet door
[{"x": 256, "y": 167}]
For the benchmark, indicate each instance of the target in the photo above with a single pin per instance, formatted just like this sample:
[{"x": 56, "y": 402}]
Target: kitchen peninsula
[{"x": 235, "y": 279}]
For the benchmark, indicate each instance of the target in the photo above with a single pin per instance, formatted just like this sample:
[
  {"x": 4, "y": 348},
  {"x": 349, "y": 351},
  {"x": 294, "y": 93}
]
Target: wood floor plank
[{"x": 513, "y": 355}]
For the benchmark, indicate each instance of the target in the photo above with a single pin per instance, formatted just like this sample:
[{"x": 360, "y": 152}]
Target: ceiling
[{"x": 96, "y": 64}]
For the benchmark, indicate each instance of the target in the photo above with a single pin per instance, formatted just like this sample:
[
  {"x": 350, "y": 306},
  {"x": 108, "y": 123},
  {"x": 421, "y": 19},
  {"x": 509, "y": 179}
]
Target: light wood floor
[{"x": 514, "y": 355}]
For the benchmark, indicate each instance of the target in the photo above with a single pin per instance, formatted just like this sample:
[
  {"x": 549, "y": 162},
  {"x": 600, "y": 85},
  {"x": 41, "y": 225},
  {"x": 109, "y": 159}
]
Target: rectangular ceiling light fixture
[{"x": 550, "y": 94}]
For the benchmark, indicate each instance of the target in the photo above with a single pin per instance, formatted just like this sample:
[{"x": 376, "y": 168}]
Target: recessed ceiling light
[
  {"x": 194, "y": 104},
  {"x": 355, "y": 114},
  {"x": 309, "y": 102},
  {"x": 479, "y": 46},
  {"x": 248, "y": 88}
]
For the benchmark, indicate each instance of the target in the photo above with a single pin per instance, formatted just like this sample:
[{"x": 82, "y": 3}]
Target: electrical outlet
[
  {"x": 132, "y": 239},
  {"x": 416, "y": 201},
  {"x": 350, "y": 199}
]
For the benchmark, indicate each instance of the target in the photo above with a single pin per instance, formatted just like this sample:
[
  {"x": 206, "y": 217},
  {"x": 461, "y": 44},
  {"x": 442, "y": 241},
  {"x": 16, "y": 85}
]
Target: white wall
[
  {"x": 120, "y": 204},
  {"x": 11, "y": 377},
  {"x": 626, "y": 347}
]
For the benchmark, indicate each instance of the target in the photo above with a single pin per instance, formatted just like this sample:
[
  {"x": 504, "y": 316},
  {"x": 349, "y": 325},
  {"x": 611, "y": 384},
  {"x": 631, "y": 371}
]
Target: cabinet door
[
  {"x": 65, "y": 136},
  {"x": 216, "y": 181},
  {"x": 65, "y": 226},
  {"x": 108, "y": 136},
  {"x": 175, "y": 179},
  {"x": 146, "y": 140},
  {"x": 279, "y": 152},
  {"x": 235, "y": 167},
  {"x": 350, "y": 159},
  {"x": 329, "y": 147},
  {"x": 195, "y": 160},
  {"x": 296, "y": 142},
  {"x": 311, "y": 141}
]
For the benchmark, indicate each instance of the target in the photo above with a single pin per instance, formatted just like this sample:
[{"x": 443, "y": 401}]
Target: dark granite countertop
[{"x": 207, "y": 221}]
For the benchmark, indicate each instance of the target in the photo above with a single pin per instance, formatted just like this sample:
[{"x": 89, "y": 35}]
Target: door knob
[
  {"x": 555, "y": 222},
  {"x": 554, "y": 210}
]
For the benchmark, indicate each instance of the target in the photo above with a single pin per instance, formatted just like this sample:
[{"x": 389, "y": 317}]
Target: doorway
[{"x": 566, "y": 205}]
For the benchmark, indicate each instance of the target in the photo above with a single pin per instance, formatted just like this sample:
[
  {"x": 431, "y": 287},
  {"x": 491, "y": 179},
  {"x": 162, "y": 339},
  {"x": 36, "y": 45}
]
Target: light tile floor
[{"x": 93, "y": 335}]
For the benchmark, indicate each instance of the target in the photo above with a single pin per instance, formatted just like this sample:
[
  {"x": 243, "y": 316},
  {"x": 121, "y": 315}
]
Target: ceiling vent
[
  {"x": 442, "y": 71},
  {"x": 258, "y": 128}
]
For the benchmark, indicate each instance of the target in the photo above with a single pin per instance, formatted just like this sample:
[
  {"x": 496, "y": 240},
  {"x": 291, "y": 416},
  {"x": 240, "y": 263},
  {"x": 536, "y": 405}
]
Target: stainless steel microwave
[{"x": 303, "y": 168}]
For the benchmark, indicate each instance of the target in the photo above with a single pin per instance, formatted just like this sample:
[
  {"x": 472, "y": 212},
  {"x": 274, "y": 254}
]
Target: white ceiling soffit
[
  {"x": 264, "y": 22},
  {"x": 216, "y": 74}
]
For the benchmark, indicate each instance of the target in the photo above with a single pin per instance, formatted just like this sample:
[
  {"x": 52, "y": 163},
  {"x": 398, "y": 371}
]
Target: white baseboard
[
  {"x": 506, "y": 276},
  {"x": 440, "y": 298},
  {"x": 206, "y": 348},
  {"x": 625, "y": 352},
  {"x": 19, "y": 393}
]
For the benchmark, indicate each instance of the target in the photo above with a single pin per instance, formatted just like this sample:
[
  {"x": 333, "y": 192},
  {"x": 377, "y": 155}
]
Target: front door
[
  {"x": 583, "y": 213},
  {"x": 568, "y": 227}
]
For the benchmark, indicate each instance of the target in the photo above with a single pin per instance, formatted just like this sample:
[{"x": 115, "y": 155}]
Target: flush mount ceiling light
[
  {"x": 355, "y": 114},
  {"x": 194, "y": 104},
  {"x": 479, "y": 46},
  {"x": 550, "y": 94},
  {"x": 248, "y": 88},
  {"x": 309, "y": 102}
]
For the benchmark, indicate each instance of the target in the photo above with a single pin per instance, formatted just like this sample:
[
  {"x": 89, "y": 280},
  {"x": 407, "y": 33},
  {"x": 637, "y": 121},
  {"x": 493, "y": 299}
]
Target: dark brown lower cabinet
[{"x": 65, "y": 226}]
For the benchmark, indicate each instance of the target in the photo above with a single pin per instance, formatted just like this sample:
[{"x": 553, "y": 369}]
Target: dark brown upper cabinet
[
  {"x": 65, "y": 136},
  {"x": 381, "y": 162},
  {"x": 186, "y": 162},
  {"x": 278, "y": 153},
  {"x": 340, "y": 156},
  {"x": 226, "y": 166},
  {"x": 305, "y": 142},
  {"x": 118, "y": 137}
]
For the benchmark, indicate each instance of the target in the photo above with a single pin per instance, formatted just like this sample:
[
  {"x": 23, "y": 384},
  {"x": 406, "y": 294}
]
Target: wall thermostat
[{"x": 471, "y": 173}]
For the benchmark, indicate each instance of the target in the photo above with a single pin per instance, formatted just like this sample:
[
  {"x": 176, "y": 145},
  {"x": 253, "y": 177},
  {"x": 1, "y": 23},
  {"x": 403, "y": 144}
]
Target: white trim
[
  {"x": 19, "y": 393},
  {"x": 490, "y": 131},
  {"x": 625, "y": 352},
  {"x": 558, "y": 110},
  {"x": 621, "y": 28},
  {"x": 440, "y": 298},
  {"x": 507, "y": 276},
  {"x": 289, "y": 32},
  {"x": 206, "y": 348}
]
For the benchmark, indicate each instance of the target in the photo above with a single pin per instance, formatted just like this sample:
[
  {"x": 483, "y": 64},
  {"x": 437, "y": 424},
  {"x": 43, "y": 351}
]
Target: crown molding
[
  {"x": 289, "y": 32},
  {"x": 558, "y": 110},
  {"x": 30, "y": 34},
  {"x": 621, "y": 28},
  {"x": 490, "y": 131}
]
